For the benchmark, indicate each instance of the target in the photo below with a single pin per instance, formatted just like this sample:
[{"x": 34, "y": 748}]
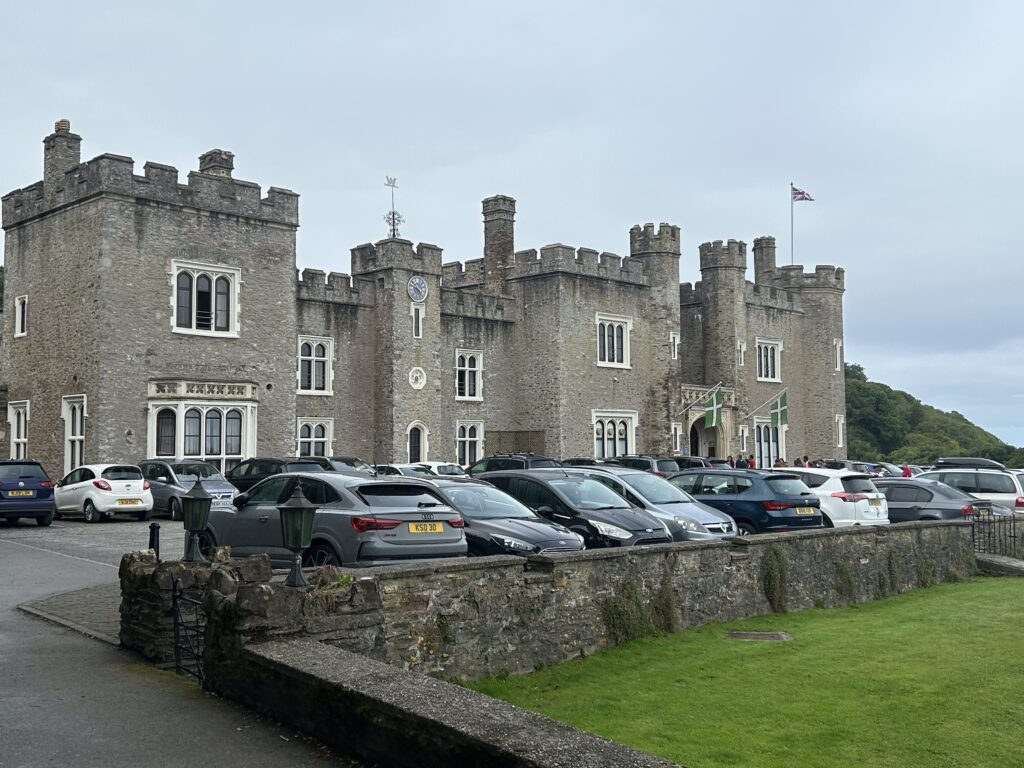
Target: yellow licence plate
[
  {"x": 127, "y": 501},
  {"x": 874, "y": 502},
  {"x": 426, "y": 528},
  {"x": 20, "y": 493},
  {"x": 805, "y": 510}
]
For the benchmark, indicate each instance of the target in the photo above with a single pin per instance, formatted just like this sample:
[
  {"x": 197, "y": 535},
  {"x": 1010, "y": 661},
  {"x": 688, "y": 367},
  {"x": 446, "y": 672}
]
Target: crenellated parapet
[
  {"x": 477, "y": 305},
  {"x": 646, "y": 240},
  {"x": 457, "y": 274},
  {"x": 718, "y": 255},
  {"x": 824, "y": 277},
  {"x": 773, "y": 297},
  {"x": 214, "y": 191},
  {"x": 396, "y": 253},
  {"x": 586, "y": 262},
  {"x": 335, "y": 288}
]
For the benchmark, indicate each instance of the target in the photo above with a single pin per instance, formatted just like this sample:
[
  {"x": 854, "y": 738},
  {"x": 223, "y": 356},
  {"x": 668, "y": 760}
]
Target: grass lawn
[{"x": 934, "y": 677}]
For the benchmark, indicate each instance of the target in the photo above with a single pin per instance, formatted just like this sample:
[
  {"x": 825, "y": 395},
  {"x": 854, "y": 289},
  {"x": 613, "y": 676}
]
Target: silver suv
[{"x": 1001, "y": 486}]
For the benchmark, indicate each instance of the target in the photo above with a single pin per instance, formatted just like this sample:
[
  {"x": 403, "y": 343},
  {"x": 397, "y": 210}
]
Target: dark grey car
[
  {"x": 913, "y": 499},
  {"x": 170, "y": 480},
  {"x": 360, "y": 520}
]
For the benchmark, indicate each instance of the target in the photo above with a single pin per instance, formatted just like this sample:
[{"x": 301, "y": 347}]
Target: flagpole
[
  {"x": 791, "y": 223},
  {"x": 776, "y": 396}
]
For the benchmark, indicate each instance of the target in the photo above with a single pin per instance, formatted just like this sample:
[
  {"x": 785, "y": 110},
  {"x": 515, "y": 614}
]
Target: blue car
[
  {"x": 25, "y": 491},
  {"x": 759, "y": 501}
]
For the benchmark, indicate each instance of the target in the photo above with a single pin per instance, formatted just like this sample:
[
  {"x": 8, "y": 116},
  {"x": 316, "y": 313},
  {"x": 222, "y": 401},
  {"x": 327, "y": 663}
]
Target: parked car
[
  {"x": 98, "y": 491},
  {"x": 659, "y": 465},
  {"x": 350, "y": 464},
  {"x": 847, "y": 497},
  {"x": 685, "y": 517},
  {"x": 446, "y": 468},
  {"x": 915, "y": 499},
  {"x": 25, "y": 491},
  {"x": 582, "y": 461},
  {"x": 760, "y": 501},
  {"x": 583, "y": 505},
  {"x": 998, "y": 485},
  {"x": 251, "y": 471},
  {"x": 502, "y": 461},
  {"x": 973, "y": 462},
  {"x": 864, "y": 467},
  {"x": 497, "y": 524},
  {"x": 409, "y": 470},
  {"x": 169, "y": 481},
  {"x": 359, "y": 521}
]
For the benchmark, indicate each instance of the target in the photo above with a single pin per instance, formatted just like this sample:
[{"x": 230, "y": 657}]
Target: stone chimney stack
[
  {"x": 217, "y": 162},
  {"x": 499, "y": 240},
  {"x": 62, "y": 151},
  {"x": 764, "y": 260}
]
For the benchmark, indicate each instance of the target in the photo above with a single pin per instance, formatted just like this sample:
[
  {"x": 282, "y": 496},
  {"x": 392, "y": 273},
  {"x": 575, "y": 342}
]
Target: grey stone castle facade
[{"x": 144, "y": 316}]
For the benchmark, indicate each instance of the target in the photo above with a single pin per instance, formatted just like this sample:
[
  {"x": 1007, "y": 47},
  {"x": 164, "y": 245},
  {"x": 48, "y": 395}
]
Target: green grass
[{"x": 934, "y": 677}]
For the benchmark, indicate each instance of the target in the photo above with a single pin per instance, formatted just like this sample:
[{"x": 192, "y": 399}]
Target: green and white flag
[
  {"x": 780, "y": 411},
  {"x": 713, "y": 409}
]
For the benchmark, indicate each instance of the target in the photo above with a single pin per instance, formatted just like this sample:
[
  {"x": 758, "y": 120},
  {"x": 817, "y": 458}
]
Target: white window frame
[
  {"x": 181, "y": 407},
  {"x": 769, "y": 360},
  {"x": 744, "y": 438},
  {"x": 673, "y": 344},
  {"x": 838, "y": 350},
  {"x": 313, "y": 423},
  {"x": 21, "y": 316},
  {"x": 677, "y": 437},
  {"x": 313, "y": 341},
  {"x": 195, "y": 268},
  {"x": 770, "y": 440},
  {"x": 626, "y": 322},
  {"x": 741, "y": 353},
  {"x": 466, "y": 354},
  {"x": 74, "y": 410},
  {"x": 19, "y": 439},
  {"x": 463, "y": 443},
  {"x": 417, "y": 314},
  {"x": 614, "y": 417},
  {"x": 840, "y": 429},
  {"x": 426, "y": 440}
]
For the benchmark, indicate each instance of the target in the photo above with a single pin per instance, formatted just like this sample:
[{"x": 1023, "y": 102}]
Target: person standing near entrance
[{"x": 741, "y": 463}]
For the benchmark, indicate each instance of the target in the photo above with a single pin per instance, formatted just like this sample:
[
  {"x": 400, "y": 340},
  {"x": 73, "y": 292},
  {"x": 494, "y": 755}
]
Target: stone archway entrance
[{"x": 704, "y": 441}]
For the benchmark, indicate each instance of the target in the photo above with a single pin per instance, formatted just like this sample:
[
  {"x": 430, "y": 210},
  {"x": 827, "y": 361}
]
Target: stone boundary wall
[{"x": 483, "y": 616}]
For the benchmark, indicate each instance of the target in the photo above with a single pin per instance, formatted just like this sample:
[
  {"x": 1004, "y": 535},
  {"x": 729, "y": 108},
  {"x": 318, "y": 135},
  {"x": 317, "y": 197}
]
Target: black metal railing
[
  {"x": 189, "y": 632},
  {"x": 996, "y": 535}
]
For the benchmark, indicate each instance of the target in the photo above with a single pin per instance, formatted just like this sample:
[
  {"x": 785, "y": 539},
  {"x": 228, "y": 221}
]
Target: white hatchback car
[
  {"x": 104, "y": 490},
  {"x": 847, "y": 497}
]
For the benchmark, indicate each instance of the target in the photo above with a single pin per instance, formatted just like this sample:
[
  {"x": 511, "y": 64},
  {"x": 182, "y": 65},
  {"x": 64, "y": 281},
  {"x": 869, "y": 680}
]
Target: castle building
[{"x": 149, "y": 317}]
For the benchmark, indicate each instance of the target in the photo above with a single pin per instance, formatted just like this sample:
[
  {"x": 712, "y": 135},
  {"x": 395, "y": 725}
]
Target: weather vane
[{"x": 393, "y": 217}]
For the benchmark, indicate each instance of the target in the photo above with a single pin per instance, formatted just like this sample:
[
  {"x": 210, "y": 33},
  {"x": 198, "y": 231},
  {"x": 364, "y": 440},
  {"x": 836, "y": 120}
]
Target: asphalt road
[{"x": 66, "y": 699}]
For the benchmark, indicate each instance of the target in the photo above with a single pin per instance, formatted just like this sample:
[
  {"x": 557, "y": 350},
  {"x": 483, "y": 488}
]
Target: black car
[
  {"x": 25, "y": 491},
  {"x": 583, "y": 505},
  {"x": 497, "y": 524},
  {"x": 759, "y": 501},
  {"x": 912, "y": 499},
  {"x": 351, "y": 464},
  {"x": 251, "y": 471},
  {"x": 499, "y": 462},
  {"x": 659, "y": 465}
]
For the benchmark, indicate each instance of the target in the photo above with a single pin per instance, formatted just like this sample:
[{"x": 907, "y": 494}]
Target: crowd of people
[{"x": 805, "y": 462}]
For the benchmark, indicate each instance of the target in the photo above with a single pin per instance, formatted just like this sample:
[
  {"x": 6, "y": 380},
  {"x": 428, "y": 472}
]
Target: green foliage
[
  {"x": 889, "y": 424},
  {"x": 882, "y": 683},
  {"x": 844, "y": 581},
  {"x": 774, "y": 568},
  {"x": 628, "y": 616}
]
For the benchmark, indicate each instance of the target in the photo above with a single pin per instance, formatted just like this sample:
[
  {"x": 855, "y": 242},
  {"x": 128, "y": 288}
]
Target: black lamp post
[
  {"x": 297, "y": 530},
  {"x": 195, "y": 514}
]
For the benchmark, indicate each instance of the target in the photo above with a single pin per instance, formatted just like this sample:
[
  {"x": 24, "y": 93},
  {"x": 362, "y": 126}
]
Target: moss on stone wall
[
  {"x": 628, "y": 616},
  {"x": 844, "y": 580},
  {"x": 774, "y": 577}
]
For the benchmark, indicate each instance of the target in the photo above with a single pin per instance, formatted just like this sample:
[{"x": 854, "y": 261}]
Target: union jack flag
[{"x": 799, "y": 194}]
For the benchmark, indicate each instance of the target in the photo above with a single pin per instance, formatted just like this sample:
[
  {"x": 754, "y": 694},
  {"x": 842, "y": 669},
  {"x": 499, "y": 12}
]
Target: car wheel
[
  {"x": 743, "y": 528},
  {"x": 175, "y": 507},
  {"x": 92, "y": 515},
  {"x": 826, "y": 522},
  {"x": 206, "y": 542},
  {"x": 321, "y": 554},
  {"x": 57, "y": 515},
  {"x": 45, "y": 520},
  {"x": 144, "y": 515}
]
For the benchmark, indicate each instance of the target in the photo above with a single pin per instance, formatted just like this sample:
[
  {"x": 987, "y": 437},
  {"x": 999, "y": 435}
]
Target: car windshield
[
  {"x": 655, "y": 489},
  {"x": 385, "y": 495},
  {"x": 197, "y": 469},
  {"x": 22, "y": 471},
  {"x": 449, "y": 469},
  {"x": 303, "y": 466},
  {"x": 348, "y": 465},
  {"x": 950, "y": 492},
  {"x": 481, "y": 502},
  {"x": 584, "y": 493},
  {"x": 788, "y": 486},
  {"x": 122, "y": 473}
]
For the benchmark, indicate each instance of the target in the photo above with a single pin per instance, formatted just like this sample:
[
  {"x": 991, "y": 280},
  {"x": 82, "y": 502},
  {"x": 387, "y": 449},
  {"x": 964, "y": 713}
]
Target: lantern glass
[
  {"x": 195, "y": 507},
  {"x": 297, "y": 520}
]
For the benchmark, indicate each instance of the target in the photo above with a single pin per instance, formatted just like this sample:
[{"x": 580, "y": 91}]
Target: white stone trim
[
  {"x": 67, "y": 404},
  {"x": 249, "y": 427},
  {"x": 426, "y": 439},
  {"x": 840, "y": 430},
  {"x": 312, "y": 422},
  {"x": 19, "y": 441},
  {"x": 770, "y": 369},
  {"x": 673, "y": 344},
  {"x": 624, "y": 320},
  {"x": 632, "y": 418},
  {"x": 479, "y": 440},
  {"x": 20, "y": 327},
  {"x": 677, "y": 437},
  {"x": 479, "y": 370},
  {"x": 234, "y": 274},
  {"x": 837, "y": 352},
  {"x": 417, "y": 328},
  {"x": 329, "y": 373}
]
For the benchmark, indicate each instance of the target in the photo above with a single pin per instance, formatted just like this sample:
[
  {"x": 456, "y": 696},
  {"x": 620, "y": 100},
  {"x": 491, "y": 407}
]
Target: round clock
[{"x": 417, "y": 288}]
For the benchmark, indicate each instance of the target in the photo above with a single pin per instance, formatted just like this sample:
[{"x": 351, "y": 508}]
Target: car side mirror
[
  {"x": 544, "y": 510},
  {"x": 59, "y": 484},
  {"x": 161, "y": 479},
  {"x": 240, "y": 500}
]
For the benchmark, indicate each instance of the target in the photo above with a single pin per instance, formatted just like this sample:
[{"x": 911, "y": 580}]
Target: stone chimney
[
  {"x": 499, "y": 240},
  {"x": 217, "y": 162},
  {"x": 62, "y": 151},
  {"x": 764, "y": 260}
]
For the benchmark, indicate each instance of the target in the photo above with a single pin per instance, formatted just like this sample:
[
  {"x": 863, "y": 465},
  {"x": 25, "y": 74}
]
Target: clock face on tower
[{"x": 417, "y": 288}]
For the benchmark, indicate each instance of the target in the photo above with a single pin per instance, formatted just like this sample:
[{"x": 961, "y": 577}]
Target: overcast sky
[{"x": 903, "y": 120}]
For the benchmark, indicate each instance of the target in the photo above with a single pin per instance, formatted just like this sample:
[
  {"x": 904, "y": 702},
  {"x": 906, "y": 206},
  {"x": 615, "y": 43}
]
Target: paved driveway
[{"x": 66, "y": 699}]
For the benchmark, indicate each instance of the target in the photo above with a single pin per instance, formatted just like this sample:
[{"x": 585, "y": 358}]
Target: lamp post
[
  {"x": 297, "y": 530},
  {"x": 195, "y": 514}
]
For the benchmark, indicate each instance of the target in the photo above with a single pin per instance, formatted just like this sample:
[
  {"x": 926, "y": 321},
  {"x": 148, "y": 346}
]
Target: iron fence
[
  {"x": 189, "y": 632},
  {"x": 996, "y": 535}
]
